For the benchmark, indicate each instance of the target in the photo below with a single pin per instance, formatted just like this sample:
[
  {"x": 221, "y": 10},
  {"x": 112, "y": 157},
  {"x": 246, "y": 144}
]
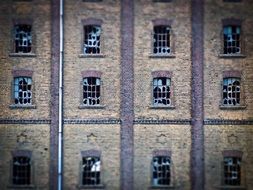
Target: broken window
[
  {"x": 92, "y": 39},
  {"x": 232, "y": 170},
  {"x": 161, "y": 40},
  {"x": 91, "y": 171},
  {"x": 161, "y": 91},
  {"x": 232, "y": 41},
  {"x": 23, "y": 90},
  {"x": 91, "y": 91},
  {"x": 21, "y": 170},
  {"x": 161, "y": 170},
  {"x": 231, "y": 91},
  {"x": 23, "y": 38}
]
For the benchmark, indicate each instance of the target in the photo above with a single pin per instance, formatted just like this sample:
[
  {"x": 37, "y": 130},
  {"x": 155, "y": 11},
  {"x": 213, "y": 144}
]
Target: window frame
[
  {"x": 167, "y": 75},
  {"x": 232, "y": 22},
  {"x": 233, "y": 74},
  {"x": 13, "y": 52},
  {"x": 162, "y": 153},
  {"x": 22, "y": 74},
  {"x": 160, "y": 22},
  {"x": 22, "y": 153},
  {"x": 85, "y": 154},
  {"x": 91, "y": 22}
]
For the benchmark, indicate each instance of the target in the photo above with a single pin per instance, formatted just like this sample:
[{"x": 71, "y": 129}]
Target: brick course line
[
  {"x": 127, "y": 89},
  {"x": 197, "y": 131}
]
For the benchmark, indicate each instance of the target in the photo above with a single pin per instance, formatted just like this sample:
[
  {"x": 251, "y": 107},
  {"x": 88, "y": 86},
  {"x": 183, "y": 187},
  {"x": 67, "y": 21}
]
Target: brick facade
[{"x": 126, "y": 130}]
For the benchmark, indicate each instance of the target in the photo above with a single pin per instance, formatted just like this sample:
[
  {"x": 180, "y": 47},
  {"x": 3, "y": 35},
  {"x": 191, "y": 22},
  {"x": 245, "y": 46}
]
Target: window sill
[
  {"x": 91, "y": 187},
  {"x": 222, "y": 107},
  {"x": 162, "y": 56},
  {"x": 161, "y": 187},
  {"x": 232, "y": 55},
  {"x": 21, "y": 187},
  {"x": 91, "y": 107},
  {"x": 22, "y": 54},
  {"x": 91, "y": 55},
  {"x": 162, "y": 107},
  {"x": 229, "y": 187},
  {"x": 17, "y": 106}
]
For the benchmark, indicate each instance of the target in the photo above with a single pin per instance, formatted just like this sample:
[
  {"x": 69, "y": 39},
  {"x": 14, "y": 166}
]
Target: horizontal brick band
[
  {"x": 92, "y": 121},
  {"x": 162, "y": 121},
  {"x": 227, "y": 122},
  {"x": 25, "y": 121}
]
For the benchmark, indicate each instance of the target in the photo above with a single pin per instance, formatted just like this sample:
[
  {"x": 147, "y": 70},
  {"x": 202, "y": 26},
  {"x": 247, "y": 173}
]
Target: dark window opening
[
  {"x": 231, "y": 91},
  {"x": 161, "y": 40},
  {"x": 23, "y": 90},
  {"x": 161, "y": 91},
  {"x": 91, "y": 91},
  {"x": 232, "y": 39},
  {"x": 91, "y": 171},
  {"x": 23, "y": 38},
  {"x": 232, "y": 171},
  {"x": 161, "y": 170},
  {"x": 21, "y": 171},
  {"x": 92, "y": 39}
]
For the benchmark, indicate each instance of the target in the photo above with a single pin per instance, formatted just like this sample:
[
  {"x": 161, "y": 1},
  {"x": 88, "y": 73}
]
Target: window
[
  {"x": 161, "y": 170},
  {"x": 22, "y": 38},
  {"x": 21, "y": 170},
  {"x": 231, "y": 91},
  {"x": 232, "y": 39},
  {"x": 161, "y": 40},
  {"x": 232, "y": 171},
  {"x": 92, "y": 39},
  {"x": 161, "y": 91},
  {"x": 91, "y": 91},
  {"x": 23, "y": 90},
  {"x": 91, "y": 171}
]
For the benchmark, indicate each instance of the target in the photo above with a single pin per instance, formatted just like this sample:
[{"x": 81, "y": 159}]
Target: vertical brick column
[
  {"x": 197, "y": 151},
  {"x": 54, "y": 112},
  {"x": 127, "y": 93}
]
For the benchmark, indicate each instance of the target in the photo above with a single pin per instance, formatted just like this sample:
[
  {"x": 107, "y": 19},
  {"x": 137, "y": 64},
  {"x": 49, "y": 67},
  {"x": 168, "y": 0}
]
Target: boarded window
[{"x": 161, "y": 170}]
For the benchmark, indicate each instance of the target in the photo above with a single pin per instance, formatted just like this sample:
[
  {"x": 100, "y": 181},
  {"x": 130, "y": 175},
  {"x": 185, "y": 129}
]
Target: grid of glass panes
[
  {"x": 23, "y": 90},
  {"x": 231, "y": 91},
  {"x": 161, "y": 40},
  {"x": 161, "y": 170},
  {"x": 92, "y": 39},
  {"x": 161, "y": 91},
  {"x": 232, "y": 171},
  {"x": 91, "y": 91},
  {"x": 21, "y": 173},
  {"x": 23, "y": 38},
  {"x": 232, "y": 39},
  {"x": 91, "y": 171}
]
